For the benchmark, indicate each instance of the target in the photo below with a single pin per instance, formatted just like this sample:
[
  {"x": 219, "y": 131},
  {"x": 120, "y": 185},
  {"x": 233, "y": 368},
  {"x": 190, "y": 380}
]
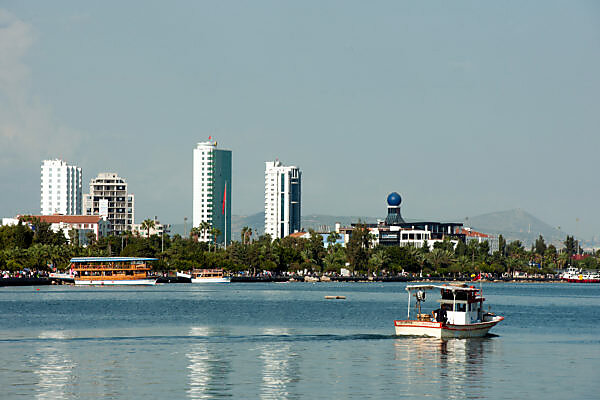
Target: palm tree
[
  {"x": 214, "y": 232},
  {"x": 147, "y": 225},
  {"x": 248, "y": 235},
  {"x": 204, "y": 228},
  {"x": 195, "y": 232},
  {"x": 332, "y": 239}
]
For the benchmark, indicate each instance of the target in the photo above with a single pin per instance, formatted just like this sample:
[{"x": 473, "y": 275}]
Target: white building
[
  {"x": 109, "y": 198},
  {"x": 212, "y": 190},
  {"x": 282, "y": 199},
  {"x": 61, "y": 191}
]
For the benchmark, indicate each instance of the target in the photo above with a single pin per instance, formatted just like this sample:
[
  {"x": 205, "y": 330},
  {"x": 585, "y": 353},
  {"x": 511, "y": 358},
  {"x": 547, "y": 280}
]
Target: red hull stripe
[{"x": 438, "y": 325}]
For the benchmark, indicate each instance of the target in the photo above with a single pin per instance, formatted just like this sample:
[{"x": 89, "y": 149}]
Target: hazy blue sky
[{"x": 462, "y": 107}]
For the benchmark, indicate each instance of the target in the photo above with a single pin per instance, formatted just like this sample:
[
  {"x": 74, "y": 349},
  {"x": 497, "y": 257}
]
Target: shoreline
[{"x": 45, "y": 281}]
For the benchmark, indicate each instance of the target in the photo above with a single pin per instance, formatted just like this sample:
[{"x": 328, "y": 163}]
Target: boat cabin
[
  {"x": 462, "y": 306},
  {"x": 459, "y": 304}
]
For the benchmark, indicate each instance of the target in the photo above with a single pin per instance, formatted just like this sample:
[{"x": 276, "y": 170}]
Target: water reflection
[
  {"x": 209, "y": 365},
  {"x": 53, "y": 366},
  {"x": 460, "y": 363},
  {"x": 281, "y": 369}
]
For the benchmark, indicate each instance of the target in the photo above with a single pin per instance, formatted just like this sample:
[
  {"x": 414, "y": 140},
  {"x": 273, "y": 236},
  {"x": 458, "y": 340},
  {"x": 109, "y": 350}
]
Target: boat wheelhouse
[
  {"x": 112, "y": 271},
  {"x": 460, "y": 314}
]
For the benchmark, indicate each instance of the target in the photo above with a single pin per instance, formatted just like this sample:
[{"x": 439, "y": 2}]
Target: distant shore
[{"x": 41, "y": 281}]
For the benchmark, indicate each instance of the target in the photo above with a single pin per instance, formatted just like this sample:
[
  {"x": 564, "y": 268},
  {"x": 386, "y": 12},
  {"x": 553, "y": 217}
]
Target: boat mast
[{"x": 408, "y": 314}]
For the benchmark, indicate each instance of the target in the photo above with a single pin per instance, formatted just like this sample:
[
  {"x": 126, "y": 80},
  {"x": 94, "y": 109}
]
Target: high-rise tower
[
  {"x": 212, "y": 190},
  {"x": 61, "y": 188},
  {"x": 109, "y": 198},
  {"x": 282, "y": 199}
]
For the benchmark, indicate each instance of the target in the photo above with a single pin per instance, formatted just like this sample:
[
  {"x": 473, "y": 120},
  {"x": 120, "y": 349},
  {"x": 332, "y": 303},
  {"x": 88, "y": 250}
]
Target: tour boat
[
  {"x": 206, "y": 276},
  {"x": 460, "y": 314},
  {"x": 576, "y": 275},
  {"x": 112, "y": 271}
]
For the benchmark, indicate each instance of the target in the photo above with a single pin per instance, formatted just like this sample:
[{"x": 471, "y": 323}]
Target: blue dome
[{"x": 394, "y": 199}]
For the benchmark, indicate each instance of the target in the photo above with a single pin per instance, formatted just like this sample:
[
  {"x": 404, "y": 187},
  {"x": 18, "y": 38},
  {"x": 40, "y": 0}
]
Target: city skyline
[{"x": 462, "y": 109}]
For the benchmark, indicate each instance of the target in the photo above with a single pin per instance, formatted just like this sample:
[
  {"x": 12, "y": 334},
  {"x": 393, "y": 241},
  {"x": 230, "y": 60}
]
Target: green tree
[
  {"x": 540, "y": 246},
  {"x": 148, "y": 224},
  {"x": 502, "y": 245},
  {"x": 570, "y": 246},
  {"x": 358, "y": 247}
]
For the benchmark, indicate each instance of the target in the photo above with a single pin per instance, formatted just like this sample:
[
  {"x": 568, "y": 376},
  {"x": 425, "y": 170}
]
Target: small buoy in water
[{"x": 335, "y": 297}]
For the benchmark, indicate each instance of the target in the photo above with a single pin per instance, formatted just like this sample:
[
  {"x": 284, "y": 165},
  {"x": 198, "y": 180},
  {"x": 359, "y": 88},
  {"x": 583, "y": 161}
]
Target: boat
[
  {"x": 214, "y": 275},
  {"x": 112, "y": 271},
  {"x": 65, "y": 277},
  {"x": 576, "y": 275},
  {"x": 460, "y": 314}
]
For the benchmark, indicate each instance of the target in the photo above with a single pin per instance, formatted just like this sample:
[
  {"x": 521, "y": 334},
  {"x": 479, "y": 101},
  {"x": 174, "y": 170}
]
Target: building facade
[
  {"x": 212, "y": 191},
  {"x": 283, "y": 193},
  {"x": 61, "y": 191},
  {"x": 109, "y": 198}
]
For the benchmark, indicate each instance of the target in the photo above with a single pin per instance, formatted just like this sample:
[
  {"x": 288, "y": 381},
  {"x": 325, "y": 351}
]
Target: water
[{"x": 285, "y": 341}]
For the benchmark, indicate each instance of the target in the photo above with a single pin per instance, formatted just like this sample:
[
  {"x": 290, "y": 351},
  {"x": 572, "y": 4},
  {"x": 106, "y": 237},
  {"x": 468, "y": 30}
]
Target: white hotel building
[
  {"x": 212, "y": 190},
  {"x": 282, "y": 199},
  {"x": 61, "y": 188}
]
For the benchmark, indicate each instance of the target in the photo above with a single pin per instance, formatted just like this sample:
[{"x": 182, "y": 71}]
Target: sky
[{"x": 464, "y": 108}]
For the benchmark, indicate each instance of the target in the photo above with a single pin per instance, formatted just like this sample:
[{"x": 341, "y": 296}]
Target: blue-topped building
[{"x": 395, "y": 230}]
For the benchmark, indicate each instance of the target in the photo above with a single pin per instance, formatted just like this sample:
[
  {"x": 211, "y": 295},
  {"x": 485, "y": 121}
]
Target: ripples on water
[{"x": 286, "y": 342}]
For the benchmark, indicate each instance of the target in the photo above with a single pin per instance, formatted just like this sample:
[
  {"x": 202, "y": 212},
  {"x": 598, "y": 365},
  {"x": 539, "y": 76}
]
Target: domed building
[{"x": 395, "y": 231}]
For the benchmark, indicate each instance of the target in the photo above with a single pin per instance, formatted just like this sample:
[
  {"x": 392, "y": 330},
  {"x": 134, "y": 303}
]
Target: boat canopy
[
  {"x": 110, "y": 259},
  {"x": 441, "y": 287}
]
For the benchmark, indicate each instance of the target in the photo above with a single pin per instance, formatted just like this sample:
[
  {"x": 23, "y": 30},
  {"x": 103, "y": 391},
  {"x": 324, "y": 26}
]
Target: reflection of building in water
[
  {"x": 53, "y": 366},
  {"x": 280, "y": 367},
  {"x": 209, "y": 367}
]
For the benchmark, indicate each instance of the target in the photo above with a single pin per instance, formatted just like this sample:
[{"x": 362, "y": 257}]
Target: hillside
[{"x": 516, "y": 224}]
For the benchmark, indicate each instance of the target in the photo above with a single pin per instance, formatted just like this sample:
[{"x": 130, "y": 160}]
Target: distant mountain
[{"x": 516, "y": 225}]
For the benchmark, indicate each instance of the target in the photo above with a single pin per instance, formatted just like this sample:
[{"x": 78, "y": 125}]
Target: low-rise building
[
  {"x": 84, "y": 224},
  {"x": 480, "y": 237}
]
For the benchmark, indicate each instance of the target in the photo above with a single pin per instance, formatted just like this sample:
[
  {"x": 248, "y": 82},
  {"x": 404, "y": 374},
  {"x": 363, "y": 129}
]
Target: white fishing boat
[
  {"x": 214, "y": 275},
  {"x": 460, "y": 314}
]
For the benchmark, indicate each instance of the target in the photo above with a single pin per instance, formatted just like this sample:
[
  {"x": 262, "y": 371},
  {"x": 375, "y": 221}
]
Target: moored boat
[
  {"x": 214, "y": 275},
  {"x": 576, "y": 275},
  {"x": 112, "y": 271},
  {"x": 460, "y": 314}
]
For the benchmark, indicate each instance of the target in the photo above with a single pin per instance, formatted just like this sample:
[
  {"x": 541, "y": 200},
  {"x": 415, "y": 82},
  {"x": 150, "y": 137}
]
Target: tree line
[{"x": 40, "y": 248}]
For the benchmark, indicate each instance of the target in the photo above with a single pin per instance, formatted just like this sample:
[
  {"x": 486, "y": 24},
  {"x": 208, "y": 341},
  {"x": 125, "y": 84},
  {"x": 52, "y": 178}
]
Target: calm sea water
[{"x": 285, "y": 341}]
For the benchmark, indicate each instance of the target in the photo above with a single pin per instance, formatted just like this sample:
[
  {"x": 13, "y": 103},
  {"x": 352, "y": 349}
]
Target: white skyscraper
[
  {"x": 61, "y": 188},
  {"x": 109, "y": 198},
  {"x": 212, "y": 190},
  {"x": 282, "y": 199}
]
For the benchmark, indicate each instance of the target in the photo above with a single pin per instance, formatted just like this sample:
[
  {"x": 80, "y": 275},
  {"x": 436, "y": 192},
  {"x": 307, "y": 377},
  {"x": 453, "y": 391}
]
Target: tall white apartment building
[
  {"x": 61, "y": 191},
  {"x": 109, "y": 198},
  {"x": 212, "y": 190},
  {"x": 282, "y": 199}
]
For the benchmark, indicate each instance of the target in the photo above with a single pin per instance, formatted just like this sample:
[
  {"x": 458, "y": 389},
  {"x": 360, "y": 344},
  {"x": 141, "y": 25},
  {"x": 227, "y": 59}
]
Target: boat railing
[{"x": 140, "y": 267}]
